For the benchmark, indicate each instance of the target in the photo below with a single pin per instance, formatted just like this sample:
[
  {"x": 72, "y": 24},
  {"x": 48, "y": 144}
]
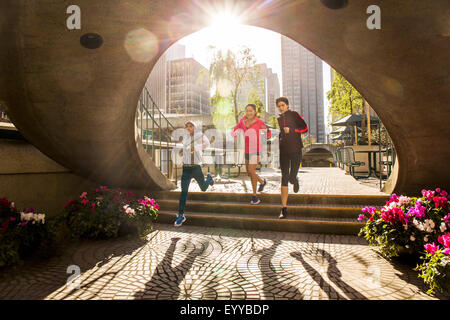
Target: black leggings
[{"x": 289, "y": 163}]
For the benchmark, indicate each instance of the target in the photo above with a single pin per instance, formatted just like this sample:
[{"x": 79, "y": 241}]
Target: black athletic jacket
[{"x": 291, "y": 142}]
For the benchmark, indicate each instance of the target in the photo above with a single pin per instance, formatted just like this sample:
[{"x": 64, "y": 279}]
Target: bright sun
[
  {"x": 225, "y": 29},
  {"x": 225, "y": 21}
]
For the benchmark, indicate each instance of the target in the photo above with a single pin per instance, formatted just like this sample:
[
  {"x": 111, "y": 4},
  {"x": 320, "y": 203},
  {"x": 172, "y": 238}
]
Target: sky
[{"x": 265, "y": 45}]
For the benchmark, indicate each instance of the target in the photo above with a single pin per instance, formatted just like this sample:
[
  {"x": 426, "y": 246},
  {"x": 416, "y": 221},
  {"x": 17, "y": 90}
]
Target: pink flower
[
  {"x": 93, "y": 206},
  {"x": 96, "y": 190},
  {"x": 428, "y": 194},
  {"x": 394, "y": 215},
  {"x": 103, "y": 188},
  {"x": 445, "y": 240},
  {"x": 156, "y": 206},
  {"x": 370, "y": 210},
  {"x": 12, "y": 219},
  {"x": 361, "y": 217},
  {"x": 447, "y": 218},
  {"x": 431, "y": 248},
  {"x": 418, "y": 210},
  {"x": 447, "y": 251},
  {"x": 23, "y": 223},
  {"x": 438, "y": 190},
  {"x": 99, "y": 198},
  {"x": 85, "y": 201},
  {"x": 83, "y": 195}
]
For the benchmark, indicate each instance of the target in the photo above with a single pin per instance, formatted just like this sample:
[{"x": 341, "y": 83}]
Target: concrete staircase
[{"x": 309, "y": 213}]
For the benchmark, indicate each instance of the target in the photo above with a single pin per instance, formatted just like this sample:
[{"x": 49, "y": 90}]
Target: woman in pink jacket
[{"x": 250, "y": 126}]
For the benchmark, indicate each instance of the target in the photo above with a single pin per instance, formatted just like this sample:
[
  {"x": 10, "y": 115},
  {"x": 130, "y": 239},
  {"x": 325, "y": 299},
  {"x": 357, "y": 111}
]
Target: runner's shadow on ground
[
  {"x": 167, "y": 279},
  {"x": 333, "y": 273},
  {"x": 270, "y": 278}
]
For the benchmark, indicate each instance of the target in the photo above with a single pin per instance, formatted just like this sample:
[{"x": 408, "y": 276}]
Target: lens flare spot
[
  {"x": 141, "y": 45},
  {"x": 393, "y": 87}
]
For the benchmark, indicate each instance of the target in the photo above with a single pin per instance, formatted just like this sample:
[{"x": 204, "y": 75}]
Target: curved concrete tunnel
[{"x": 78, "y": 105}]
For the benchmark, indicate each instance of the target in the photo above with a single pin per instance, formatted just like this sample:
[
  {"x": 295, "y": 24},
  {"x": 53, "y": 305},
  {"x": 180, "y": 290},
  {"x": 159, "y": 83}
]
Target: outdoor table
[{"x": 371, "y": 155}]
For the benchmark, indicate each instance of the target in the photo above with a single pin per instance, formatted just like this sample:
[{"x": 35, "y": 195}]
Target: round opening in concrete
[
  {"x": 91, "y": 40},
  {"x": 335, "y": 4}
]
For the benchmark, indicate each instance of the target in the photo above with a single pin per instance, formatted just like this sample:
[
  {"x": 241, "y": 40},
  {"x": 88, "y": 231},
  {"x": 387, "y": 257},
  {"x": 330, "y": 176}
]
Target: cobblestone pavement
[
  {"x": 215, "y": 263},
  {"x": 312, "y": 181}
]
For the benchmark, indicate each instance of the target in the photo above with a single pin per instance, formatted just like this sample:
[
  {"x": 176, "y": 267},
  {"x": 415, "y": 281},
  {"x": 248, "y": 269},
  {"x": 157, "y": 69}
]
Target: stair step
[
  {"x": 294, "y": 199},
  {"x": 247, "y": 221},
  {"x": 267, "y": 209}
]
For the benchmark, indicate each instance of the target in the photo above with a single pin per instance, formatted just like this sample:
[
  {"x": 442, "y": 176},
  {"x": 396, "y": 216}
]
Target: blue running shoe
[
  {"x": 261, "y": 186},
  {"x": 255, "y": 200},
  {"x": 209, "y": 179},
  {"x": 180, "y": 219}
]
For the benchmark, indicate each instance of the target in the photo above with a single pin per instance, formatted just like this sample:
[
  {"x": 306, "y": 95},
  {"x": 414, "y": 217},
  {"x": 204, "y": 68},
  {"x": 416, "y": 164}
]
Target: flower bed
[
  {"x": 22, "y": 233},
  {"x": 418, "y": 226},
  {"x": 108, "y": 213}
]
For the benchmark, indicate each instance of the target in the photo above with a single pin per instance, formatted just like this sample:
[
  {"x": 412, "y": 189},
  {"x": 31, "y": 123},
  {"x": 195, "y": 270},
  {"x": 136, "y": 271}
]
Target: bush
[
  {"x": 107, "y": 213},
  {"x": 412, "y": 225},
  {"x": 22, "y": 233}
]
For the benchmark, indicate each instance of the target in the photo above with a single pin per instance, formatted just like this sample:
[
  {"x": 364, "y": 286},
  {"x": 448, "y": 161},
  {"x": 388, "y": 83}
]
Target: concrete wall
[{"x": 32, "y": 180}]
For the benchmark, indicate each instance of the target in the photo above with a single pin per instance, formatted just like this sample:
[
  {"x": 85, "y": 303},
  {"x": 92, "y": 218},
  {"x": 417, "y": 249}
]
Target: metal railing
[{"x": 154, "y": 131}]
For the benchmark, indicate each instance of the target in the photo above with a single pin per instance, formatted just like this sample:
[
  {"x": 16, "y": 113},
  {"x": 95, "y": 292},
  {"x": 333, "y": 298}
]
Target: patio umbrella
[
  {"x": 347, "y": 129},
  {"x": 352, "y": 120}
]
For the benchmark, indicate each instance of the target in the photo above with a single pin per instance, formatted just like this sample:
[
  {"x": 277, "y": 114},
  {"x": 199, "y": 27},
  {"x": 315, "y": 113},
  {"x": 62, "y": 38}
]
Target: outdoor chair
[{"x": 351, "y": 163}]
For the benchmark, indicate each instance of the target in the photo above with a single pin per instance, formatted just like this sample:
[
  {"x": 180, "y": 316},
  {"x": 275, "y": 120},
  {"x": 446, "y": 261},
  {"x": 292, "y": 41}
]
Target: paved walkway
[
  {"x": 312, "y": 181},
  {"x": 214, "y": 263}
]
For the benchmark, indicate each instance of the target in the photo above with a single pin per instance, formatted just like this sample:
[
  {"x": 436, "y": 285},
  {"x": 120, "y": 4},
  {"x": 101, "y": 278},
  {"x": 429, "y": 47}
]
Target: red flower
[
  {"x": 4, "y": 226},
  {"x": 440, "y": 202}
]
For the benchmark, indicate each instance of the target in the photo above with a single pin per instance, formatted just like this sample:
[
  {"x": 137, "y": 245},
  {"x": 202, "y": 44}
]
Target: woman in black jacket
[{"x": 292, "y": 126}]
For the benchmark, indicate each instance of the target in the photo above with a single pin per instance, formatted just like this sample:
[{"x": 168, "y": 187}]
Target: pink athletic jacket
[{"x": 252, "y": 140}]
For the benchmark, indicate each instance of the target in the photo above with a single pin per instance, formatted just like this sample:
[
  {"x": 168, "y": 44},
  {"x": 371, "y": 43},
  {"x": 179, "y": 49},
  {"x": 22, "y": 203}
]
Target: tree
[
  {"x": 228, "y": 71},
  {"x": 344, "y": 98},
  {"x": 253, "y": 98}
]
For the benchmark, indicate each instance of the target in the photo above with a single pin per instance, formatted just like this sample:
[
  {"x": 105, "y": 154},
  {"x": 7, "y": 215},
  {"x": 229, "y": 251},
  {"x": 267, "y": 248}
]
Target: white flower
[
  {"x": 404, "y": 200},
  {"x": 412, "y": 238},
  {"x": 393, "y": 205},
  {"x": 125, "y": 207},
  {"x": 12, "y": 204},
  {"x": 425, "y": 239},
  {"x": 443, "y": 227},
  {"x": 405, "y": 226},
  {"x": 407, "y": 246}
]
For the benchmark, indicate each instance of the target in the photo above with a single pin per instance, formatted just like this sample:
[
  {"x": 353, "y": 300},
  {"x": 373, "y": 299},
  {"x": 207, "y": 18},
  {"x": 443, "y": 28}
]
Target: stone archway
[{"x": 77, "y": 105}]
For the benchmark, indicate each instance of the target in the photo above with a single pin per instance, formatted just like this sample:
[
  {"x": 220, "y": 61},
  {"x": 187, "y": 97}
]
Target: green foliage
[
  {"x": 435, "y": 271},
  {"x": 343, "y": 97},
  {"x": 228, "y": 71},
  {"x": 273, "y": 122},
  {"x": 412, "y": 227},
  {"x": 23, "y": 233},
  {"x": 253, "y": 97},
  {"x": 107, "y": 213}
]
